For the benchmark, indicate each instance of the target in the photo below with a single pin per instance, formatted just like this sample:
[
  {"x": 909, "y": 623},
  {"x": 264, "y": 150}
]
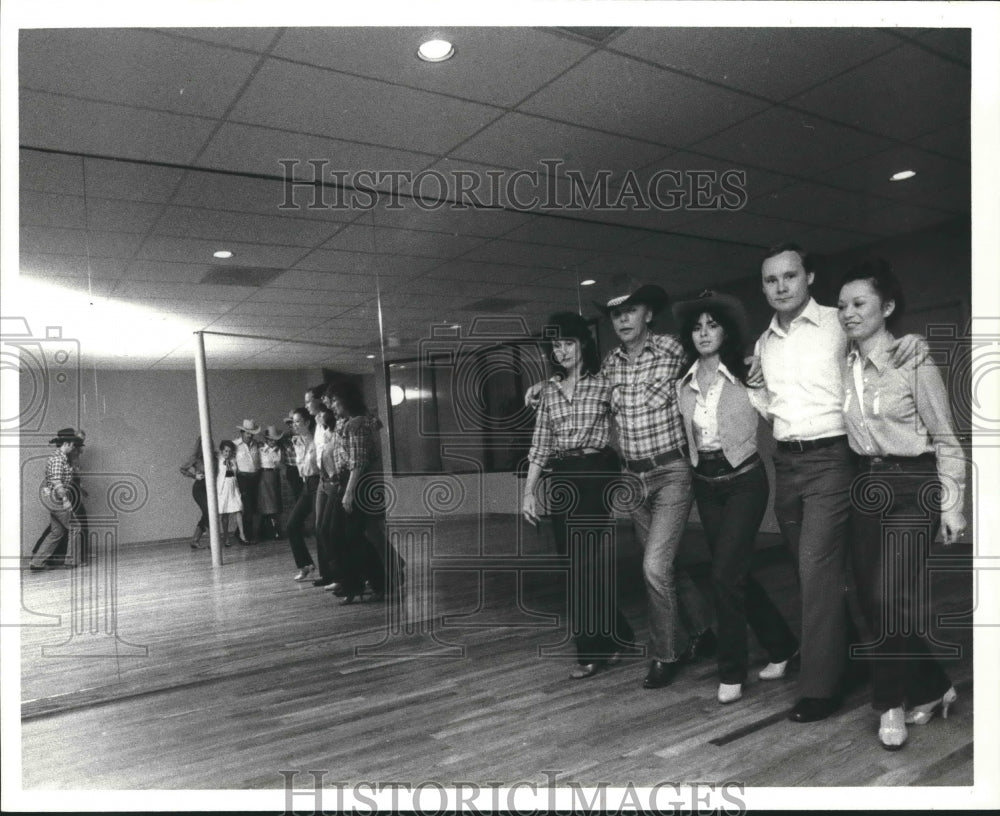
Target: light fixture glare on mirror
[
  {"x": 436, "y": 51},
  {"x": 222, "y": 253},
  {"x": 396, "y": 395},
  {"x": 588, "y": 282},
  {"x": 902, "y": 175}
]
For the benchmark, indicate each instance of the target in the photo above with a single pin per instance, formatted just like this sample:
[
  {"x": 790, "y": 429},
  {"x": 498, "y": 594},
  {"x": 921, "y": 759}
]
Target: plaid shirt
[
  {"x": 58, "y": 481},
  {"x": 360, "y": 445},
  {"x": 644, "y": 396},
  {"x": 564, "y": 423}
]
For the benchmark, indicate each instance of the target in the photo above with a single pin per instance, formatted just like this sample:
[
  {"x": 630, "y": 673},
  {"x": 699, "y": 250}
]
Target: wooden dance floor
[{"x": 221, "y": 679}]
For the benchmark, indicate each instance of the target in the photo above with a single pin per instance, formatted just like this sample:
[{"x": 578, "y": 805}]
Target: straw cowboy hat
[
  {"x": 648, "y": 294},
  {"x": 249, "y": 426},
  {"x": 273, "y": 433}
]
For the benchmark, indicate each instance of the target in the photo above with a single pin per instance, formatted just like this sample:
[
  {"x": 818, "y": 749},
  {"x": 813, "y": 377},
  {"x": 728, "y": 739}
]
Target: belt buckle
[{"x": 797, "y": 446}]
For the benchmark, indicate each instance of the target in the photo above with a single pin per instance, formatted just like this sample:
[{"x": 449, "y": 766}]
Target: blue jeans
[
  {"x": 61, "y": 522},
  {"x": 659, "y": 521}
]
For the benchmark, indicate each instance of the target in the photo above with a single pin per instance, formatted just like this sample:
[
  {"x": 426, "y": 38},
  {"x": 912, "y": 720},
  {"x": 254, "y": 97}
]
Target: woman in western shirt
[
  {"x": 571, "y": 438},
  {"x": 911, "y": 481},
  {"x": 730, "y": 484}
]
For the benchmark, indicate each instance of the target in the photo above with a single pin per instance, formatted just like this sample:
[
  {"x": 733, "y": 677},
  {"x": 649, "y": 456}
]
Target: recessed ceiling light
[
  {"x": 222, "y": 253},
  {"x": 436, "y": 51},
  {"x": 370, "y": 356},
  {"x": 902, "y": 175},
  {"x": 588, "y": 282}
]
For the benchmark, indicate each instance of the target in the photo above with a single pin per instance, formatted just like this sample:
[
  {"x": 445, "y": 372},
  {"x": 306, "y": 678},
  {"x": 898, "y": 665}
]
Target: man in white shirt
[{"x": 800, "y": 356}]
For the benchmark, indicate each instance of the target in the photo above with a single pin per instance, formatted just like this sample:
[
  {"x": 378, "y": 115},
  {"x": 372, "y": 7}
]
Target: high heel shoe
[
  {"x": 351, "y": 597},
  {"x": 775, "y": 671},
  {"x": 585, "y": 670},
  {"x": 892, "y": 729},
  {"x": 922, "y": 714}
]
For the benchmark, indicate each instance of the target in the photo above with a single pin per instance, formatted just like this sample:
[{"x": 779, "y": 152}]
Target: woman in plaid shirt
[{"x": 571, "y": 439}]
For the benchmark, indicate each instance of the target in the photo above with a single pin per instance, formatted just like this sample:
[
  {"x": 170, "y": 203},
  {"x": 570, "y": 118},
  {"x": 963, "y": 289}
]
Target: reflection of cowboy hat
[
  {"x": 66, "y": 435},
  {"x": 249, "y": 426},
  {"x": 648, "y": 294},
  {"x": 709, "y": 301},
  {"x": 273, "y": 433}
]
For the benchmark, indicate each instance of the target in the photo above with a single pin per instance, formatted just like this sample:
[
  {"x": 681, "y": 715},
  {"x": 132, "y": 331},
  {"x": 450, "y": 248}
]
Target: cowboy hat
[
  {"x": 66, "y": 435},
  {"x": 273, "y": 433},
  {"x": 709, "y": 301},
  {"x": 249, "y": 426},
  {"x": 649, "y": 294}
]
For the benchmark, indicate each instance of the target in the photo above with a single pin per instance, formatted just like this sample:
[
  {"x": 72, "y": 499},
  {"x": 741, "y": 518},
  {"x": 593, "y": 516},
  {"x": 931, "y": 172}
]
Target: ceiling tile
[
  {"x": 40, "y": 265},
  {"x": 770, "y": 62},
  {"x": 871, "y": 173},
  {"x": 52, "y": 210},
  {"x": 953, "y": 140},
  {"x": 123, "y": 216},
  {"x": 316, "y": 101},
  {"x": 903, "y": 94},
  {"x": 791, "y": 143},
  {"x": 57, "y": 241},
  {"x": 222, "y": 226},
  {"x": 331, "y": 281},
  {"x": 51, "y": 172},
  {"x": 168, "y": 272},
  {"x": 130, "y": 181},
  {"x": 254, "y": 39},
  {"x": 311, "y": 158},
  {"x": 480, "y": 69},
  {"x": 365, "y": 263},
  {"x": 743, "y": 227},
  {"x": 531, "y": 255},
  {"x": 641, "y": 101},
  {"x": 578, "y": 234},
  {"x": 62, "y": 123},
  {"x": 954, "y": 42},
  {"x": 363, "y": 238},
  {"x": 162, "y": 248},
  {"x": 134, "y": 67},
  {"x": 523, "y": 142},
  {"x": 461, "y": 217}
]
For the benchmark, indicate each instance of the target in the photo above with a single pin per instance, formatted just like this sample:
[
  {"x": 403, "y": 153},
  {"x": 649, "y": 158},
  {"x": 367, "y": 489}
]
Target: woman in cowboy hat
[
  {"x": 269, "y": 489},
  {"x": 571, "y": 436},
  {"x": 730, "y": 483}
]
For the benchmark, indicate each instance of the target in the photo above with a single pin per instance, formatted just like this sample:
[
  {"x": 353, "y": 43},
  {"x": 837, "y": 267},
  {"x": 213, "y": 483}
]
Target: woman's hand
[
  {"x": 348, "y": 500},
  {"x": 755, "y": 376},
  {"x": 952, "y": 525},
  {"x": 528, "y": 509},
  {"x": 533, "y": 396}
]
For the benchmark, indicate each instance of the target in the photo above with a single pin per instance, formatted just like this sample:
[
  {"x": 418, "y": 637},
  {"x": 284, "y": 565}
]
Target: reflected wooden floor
[{"x": 220, "y": 679}]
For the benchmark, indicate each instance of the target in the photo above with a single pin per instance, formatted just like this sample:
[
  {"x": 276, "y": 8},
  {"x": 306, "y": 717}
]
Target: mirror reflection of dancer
[
  {"x": 305, "y": 457},
  {"x": 230, "y": 503},
  {"x": 194, "y": 468},
  {"x": 269, "y": 490},
  {"x": 78, "y": 493},
  {"x": 730, "y": 483},
  {"x": 899, "y": 422},
  {"x": 57, "y": 494},
  {"x": 571, "y": 436},
  {"x": 248, "y": 477}
]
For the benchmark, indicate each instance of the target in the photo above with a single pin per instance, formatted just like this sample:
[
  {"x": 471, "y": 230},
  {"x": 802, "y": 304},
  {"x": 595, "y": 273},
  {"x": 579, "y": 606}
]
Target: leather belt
[
  {"x": 650, "y": 462},
  {"x": 921, "y": 461},
  {"x": 803, "y": 445},
  {"x": 573, "y": 453},
  {"x": 750, "y": 464}
]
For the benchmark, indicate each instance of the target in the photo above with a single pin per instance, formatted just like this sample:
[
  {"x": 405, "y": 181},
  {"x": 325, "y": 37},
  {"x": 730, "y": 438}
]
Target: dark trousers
[
  {"x": 295, "y": 527},
  {"x": 894, "y": 518},
  {"x": 367, "y": 553},
  {"x": 579, "y": 487},
  {"x": 329, "y": 530},
  {"x": 249, "y": 484},
  {"x": 199, "y": 492},
  {"x": 294, "y": 481},
  {"x": 813, "y": 503},
  {"x": 731, "y": 510}
]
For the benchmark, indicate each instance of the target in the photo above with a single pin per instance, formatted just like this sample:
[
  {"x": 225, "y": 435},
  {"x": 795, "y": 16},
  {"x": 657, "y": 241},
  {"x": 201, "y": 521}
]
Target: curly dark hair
[
  {"x": 883, "y": 280},
  {"x": 348, "y": 393},
  {"x": 733, "y": 343}
]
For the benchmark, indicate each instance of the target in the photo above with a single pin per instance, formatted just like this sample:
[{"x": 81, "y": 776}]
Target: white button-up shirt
[{"x": 804, "y": 390}]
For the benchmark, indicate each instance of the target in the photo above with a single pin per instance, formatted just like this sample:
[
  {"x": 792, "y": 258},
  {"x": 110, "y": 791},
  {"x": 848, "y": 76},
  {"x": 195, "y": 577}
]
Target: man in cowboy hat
[
  {"x": 248, "y": 474},
  {"x": 643, "y": 371},
  {"x": 58, "y": 496}
]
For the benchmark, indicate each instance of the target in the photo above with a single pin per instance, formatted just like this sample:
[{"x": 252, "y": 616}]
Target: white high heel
[
  {"x": 729, "y": 692},
  {"x": 892, "y": 729},
  {"x": 922, "y": 714},
  {"x": 775, "y": 671}
]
